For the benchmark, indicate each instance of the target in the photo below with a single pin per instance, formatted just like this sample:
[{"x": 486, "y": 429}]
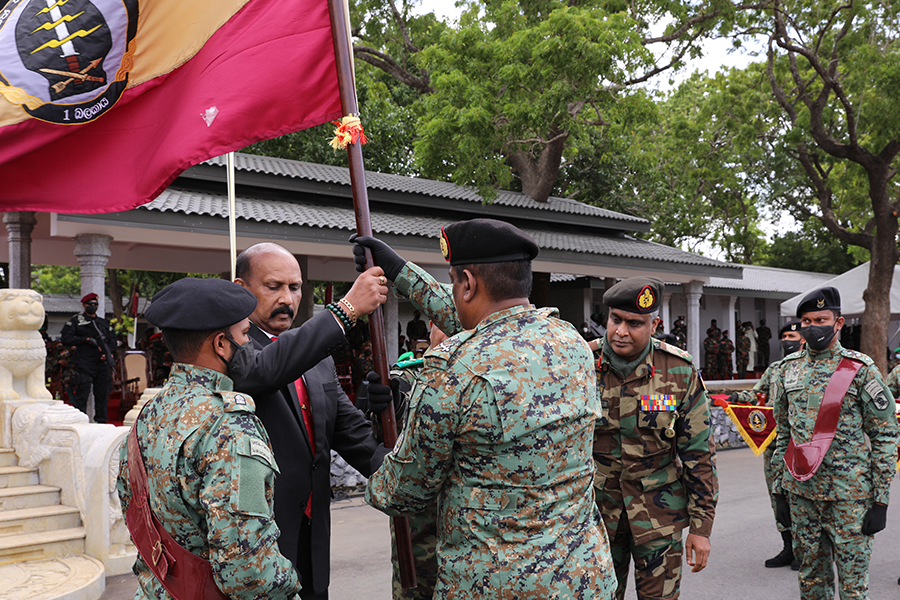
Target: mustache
[{"x": 282, "y": 310}]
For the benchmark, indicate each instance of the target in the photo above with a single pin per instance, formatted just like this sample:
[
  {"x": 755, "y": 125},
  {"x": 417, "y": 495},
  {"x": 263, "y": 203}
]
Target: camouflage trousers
[
  {"x": 423, "y": 533},
  {"x": 657, "y": 564},
  {"x": 769, "y": 474},
  {"x": 827, "y": 533}
]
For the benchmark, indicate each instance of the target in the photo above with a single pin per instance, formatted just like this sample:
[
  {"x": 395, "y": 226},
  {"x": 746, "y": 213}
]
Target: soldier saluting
[
  {"x": 829, "y": 483},
  {"x": 653, "y": 451}
]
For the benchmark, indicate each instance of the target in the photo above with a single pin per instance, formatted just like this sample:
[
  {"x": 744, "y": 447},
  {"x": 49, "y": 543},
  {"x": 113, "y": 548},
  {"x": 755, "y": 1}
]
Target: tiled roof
[
  {"x": 331, "y": 217},
  {"x": 414, "y": 185}
]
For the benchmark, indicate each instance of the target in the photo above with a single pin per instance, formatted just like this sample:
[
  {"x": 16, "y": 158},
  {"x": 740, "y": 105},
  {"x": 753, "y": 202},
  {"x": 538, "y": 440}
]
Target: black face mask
[
  {"x": 818, "y": 337},
  {"x": 241, "y": 361},
  {"x": 91, "y": 309},
  {"x": 790, "y": 346}
]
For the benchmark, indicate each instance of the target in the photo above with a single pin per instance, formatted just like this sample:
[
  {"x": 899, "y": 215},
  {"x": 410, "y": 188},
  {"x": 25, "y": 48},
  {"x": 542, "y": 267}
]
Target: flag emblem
[{"x": 66, "y": 61}]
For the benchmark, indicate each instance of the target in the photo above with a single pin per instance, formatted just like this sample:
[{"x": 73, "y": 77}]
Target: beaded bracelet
[
  {"x": 341, "y": 315},
  {"x": 353, "y": 316}
]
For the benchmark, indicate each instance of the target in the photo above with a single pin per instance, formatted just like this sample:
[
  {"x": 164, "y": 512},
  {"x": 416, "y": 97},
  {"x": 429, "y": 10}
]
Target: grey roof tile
[
  {"x": 413, "y": 185},
  {"x": 331, "y": 217}
]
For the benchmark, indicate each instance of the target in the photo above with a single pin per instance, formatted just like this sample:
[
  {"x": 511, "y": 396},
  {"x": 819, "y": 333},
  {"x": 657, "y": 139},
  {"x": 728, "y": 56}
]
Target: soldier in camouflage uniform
[
  {"x": 679, "y": 329},
  {"x": 791, "y": 341},
  {"x": 726, "y": 348},
  {"x": 837, "y": 510},
  {"x": 711, "y": 358},
  {"x": 763, "y": 335},
  {"x": 210, "y": 467},
  {"x": 893, "y": 382},
  {"x": 499, "y": 429},
  {"x": 653, "y": 449},
  {"x": 742, "y": 355}
]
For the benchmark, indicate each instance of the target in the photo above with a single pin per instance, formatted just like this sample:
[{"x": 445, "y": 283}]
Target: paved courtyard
[{"x": 743, "y": 537}]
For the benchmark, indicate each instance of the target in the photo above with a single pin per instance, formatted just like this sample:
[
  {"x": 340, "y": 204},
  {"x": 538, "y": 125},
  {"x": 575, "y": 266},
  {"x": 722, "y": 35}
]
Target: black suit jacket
[{"x": 338, "y": 426}]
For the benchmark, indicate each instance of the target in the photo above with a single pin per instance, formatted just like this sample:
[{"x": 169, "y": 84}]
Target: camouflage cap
[
  {"x": 791, "y": 326},
  {"x": 826, "y": 298},
  {"x": 485, "y": 241},
  {"x": 200, "y": 305},
  {"x": 639, "y": 295}
]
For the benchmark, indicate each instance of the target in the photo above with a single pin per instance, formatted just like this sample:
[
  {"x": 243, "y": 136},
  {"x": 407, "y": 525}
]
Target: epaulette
[
  {"x": 448, "y": 347},
  {"x": 408, "y": 364},
  {"x": 854, "y": 355},
  {"x": 794, "y": 355},
  {"x": 237, "y": 402},
  {"x": 674, "y": 350}
]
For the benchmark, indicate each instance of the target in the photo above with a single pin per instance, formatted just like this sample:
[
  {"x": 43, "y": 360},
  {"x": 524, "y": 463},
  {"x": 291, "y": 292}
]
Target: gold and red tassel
[{"x": 348, "y": 130}]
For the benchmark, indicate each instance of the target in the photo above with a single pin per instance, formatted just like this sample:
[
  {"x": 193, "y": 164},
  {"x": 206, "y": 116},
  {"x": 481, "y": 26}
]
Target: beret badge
[
  {"x": 646, "y": 298},
  {"x": 445, "y": 246},
  {"x": 820, "y": 303}
]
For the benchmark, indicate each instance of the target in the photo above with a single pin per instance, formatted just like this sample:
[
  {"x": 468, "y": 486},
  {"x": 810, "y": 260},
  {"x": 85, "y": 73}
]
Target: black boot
[{"x": 786, "y": 556}]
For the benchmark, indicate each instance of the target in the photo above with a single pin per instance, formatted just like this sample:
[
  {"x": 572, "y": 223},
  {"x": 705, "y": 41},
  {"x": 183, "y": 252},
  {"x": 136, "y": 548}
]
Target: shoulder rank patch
[{"x": 876, "y": 393}]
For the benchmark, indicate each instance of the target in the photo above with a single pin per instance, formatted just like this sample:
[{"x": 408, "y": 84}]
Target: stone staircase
[{"x": 41, "y": 541}]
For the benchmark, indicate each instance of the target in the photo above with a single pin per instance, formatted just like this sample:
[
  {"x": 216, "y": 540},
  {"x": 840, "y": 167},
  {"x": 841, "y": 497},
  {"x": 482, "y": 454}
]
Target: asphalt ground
[{"x": 744, "y": 536}]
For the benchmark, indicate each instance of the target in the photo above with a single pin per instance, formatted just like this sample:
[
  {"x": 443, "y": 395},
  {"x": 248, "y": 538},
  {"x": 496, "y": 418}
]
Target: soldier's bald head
[{"x": 243, "y": 266}]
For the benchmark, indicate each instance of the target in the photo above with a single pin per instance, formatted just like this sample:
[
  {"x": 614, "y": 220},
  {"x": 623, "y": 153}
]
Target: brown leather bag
[
  {"x": 803, "y": 460},
  {"x": 184, "y": 575}
]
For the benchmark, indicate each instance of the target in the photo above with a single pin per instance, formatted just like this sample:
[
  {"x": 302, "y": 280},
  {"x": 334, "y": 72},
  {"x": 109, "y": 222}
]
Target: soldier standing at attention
[
  {"x": 726, "y": 348},
  {"x": 711, "y": 357},
  {"x": 763, "y": 334},
  {"x": 791, "y": 341},
  {"x": 93, "y": 357},
  {"x": 830, "y": 483},
  {"x": 653, "y": 449},
  {"x": 200, "y": 461},
  {"x": 499, "y": 428},
  {"x": 743, "y": 352}
]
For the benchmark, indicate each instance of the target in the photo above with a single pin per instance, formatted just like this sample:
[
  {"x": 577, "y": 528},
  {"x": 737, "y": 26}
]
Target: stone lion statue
[{"x": 22, "y": 350}]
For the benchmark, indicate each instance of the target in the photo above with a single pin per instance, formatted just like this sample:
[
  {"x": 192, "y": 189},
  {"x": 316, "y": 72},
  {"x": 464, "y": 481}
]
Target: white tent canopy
[{"x": 851, "y": 285}]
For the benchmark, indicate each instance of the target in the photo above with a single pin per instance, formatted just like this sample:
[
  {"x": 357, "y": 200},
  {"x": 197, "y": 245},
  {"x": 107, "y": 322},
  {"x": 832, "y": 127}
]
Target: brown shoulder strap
[
  {"x": 184, "y": 575},
  {"x": 802, "y": 460}
]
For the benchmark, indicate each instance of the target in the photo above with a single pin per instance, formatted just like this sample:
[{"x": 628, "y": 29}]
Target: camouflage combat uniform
[
  {"x": 211, "y": 477},
  {"x": 726, "y": 347},
  {"x": 742, "y": 355},
  {"x": 827, "y": 510},
  {"x": 650, "y": 484},
  {"x": 893, "y": 382},
  {"x": 711, "y": 359},
  {"x": 765, "y": 385},
  {"x": 500, "y": 431},
  {"x": 423, "y": 526},
  {"x": 763, "y": 335}
]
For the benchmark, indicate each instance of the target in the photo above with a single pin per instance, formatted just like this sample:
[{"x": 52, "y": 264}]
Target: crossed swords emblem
[{"x": 72, "y": 76}]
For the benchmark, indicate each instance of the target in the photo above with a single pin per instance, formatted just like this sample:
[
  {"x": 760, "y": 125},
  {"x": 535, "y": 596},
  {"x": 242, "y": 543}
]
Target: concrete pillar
[
  {"x": 587, "y": 303},
  {"x": 92, "y": 253},
  {"x": 308, "y": 298},
  {"x": 19, "y": 226},
  {"x": 664, "y": 311},
  {"x": 391, "y": 319},
  {"x": 693, "y": 291}
]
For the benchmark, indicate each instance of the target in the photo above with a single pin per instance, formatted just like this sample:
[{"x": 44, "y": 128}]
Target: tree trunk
[
  {"x": 115, "y": 293},
  {"x": 539, "y": 176},
  {"x": 884, "y": 254}
]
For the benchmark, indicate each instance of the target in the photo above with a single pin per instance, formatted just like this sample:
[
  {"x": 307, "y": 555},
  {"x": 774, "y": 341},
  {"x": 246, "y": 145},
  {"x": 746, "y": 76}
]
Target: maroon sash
[
  {"x": 803, "y": 460},
  {"x": 184, "y": 575}
]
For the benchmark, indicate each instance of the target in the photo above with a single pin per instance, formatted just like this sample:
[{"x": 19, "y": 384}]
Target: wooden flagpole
[{"x": 340, "y": 29}]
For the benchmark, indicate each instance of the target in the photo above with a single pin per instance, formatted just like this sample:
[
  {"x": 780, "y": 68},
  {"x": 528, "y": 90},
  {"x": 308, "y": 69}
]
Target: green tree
[
  {"x": 812, "y": 248},
  {"x": 834, "y": 71}
]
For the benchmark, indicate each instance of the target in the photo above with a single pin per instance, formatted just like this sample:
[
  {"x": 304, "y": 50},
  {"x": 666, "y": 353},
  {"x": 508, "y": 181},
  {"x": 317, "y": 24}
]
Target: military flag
[{"x": 104, "y": 102}]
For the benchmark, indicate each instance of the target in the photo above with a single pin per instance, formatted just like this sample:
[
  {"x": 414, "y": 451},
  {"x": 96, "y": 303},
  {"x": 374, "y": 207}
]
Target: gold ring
[{"x": 382, "y": 280}]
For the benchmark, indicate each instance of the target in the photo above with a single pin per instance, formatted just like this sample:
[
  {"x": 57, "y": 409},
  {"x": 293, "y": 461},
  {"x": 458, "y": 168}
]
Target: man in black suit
[{"x": 303, "y": 486}]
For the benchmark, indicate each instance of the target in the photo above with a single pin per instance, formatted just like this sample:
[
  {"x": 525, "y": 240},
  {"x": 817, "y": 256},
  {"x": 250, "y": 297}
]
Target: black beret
[
  {"x": 639, "y": 295},
  {"x": 200, "y": 305},
  {"x": 485, "y": 241},
  {"x": 827, "y": 298},
  {"x": 790, "y": 326}
]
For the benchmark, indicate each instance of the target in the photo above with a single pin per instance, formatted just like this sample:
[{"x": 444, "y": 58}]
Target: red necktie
[{"x": 306, "y": 413}]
